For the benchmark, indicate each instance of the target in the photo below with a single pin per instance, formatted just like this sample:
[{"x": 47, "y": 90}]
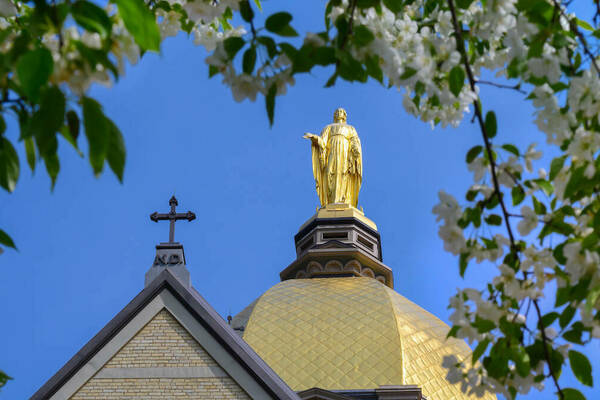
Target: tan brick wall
[
  {"x": 163, "y": 342},
  {"x": 161, "y": 388}
]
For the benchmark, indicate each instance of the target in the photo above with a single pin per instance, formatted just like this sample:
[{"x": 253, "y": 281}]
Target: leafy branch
[{"x": 485, "y": 135}]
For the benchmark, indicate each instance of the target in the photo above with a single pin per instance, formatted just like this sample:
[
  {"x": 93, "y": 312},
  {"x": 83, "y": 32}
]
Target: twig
[
  {"x": 546, "y": 354},
  {"x": 352, "y": 7},
  {"x": 516, "y": 87},
  {"x": 580, "y": 35},
  {"x": 514, "y": 178},
  {"x": 18, "y": 101}
]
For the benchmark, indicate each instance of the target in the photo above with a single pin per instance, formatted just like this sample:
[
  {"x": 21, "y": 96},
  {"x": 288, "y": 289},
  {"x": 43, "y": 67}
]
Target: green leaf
[
  {"x": 279, "y": 23},
  {"x": 331, "y": 81},
  {"x": 471, "y": 195},
  {"x": 9, "y": 165},
  {"x": 548, "y": 319},
  {"x": 249, "y": 60},
  {"x": 30, "y": 153},
  {"x": 373, "y": 68},
  {"x": 480, "y": 349},
  {"x": 270, "y": 103},
  {"x": 97, "y": 132},
  {"x": 288, "y": 50},
  {"x": 52, "y": 166},
  {"x": 66, "y": 134},
  {"x": 574, "y": 183},
  {"x": 350, "y": 69},
  {"x": 492, "y": 201},
  {"x": 456, "y": 80},
  {"x": 52, "y": 110},
  {"x": 538, "y": 207},
  {"x": 408, "y": 72},
  {"x": 566, "y": 316},
  {"x": 394, "y": 6},
  {"x": 545, "y": 186},
  {"x": 590, "y": 242},
  {"x": 246, "y": 11},
  {"x": 115, "y": 153},
  {"x": 91, "y": 17},
  {"x": 33, "y": 70},
  {"x": 323, "y": 56},
  {"x": 518, "y": 195},
  {"x": 232, "y": 45},
  {"x": 556, "y": 166},
  {"x": 494, "y": 219},
  {"x": 269, "y": 44},
  {"x": 591, "y": 299},
  {"x": 585, "y": 25},
  {"x": 511, "y": 149},
  {"x": 141, "y": 23},
  {"x": 463, "y": 263},
  {"x": 473, "y": 153},
  {"x": 573, "y": 336},
  {"x": 582, "y": 369},
  {"x": 47, "y": 120},
  {"x": 6, "y": 241},
  {"x": 521, "y": 359},
  {"x": 362, "y": 35},
  {"x": 97, "y": 56},
  {"x": 363, "y": 4},
  {"x": 287, "y": 31},
  {"x": 73, "y": 125},
  {"x": 464, "y": 4},
  {"x": 490, "y": 124},
  {"x": 483, "y": 325},
  {"x": 572, "y": 394}
]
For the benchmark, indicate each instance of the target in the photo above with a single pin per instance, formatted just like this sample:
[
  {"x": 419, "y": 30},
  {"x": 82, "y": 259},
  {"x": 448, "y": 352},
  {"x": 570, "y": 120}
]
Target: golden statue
[{"x": 337, "y": 161}]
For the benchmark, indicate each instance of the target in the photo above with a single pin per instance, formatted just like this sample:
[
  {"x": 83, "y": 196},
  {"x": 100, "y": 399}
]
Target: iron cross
[{"x": 172, "y": 216}]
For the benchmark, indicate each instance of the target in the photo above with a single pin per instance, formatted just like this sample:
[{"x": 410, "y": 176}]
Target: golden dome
[{"x": 350, "y": 333}]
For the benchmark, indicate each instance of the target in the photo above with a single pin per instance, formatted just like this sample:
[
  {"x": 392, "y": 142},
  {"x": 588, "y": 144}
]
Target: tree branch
[
  {"x": 546, "y": 354},
  {"x": 516, "y": 87},
  {"x": 348, "y": 32},
  {"x": 476, "y": 105},
  {"x": 580, "y": 36},
  {"x": 460, "y": 44}
]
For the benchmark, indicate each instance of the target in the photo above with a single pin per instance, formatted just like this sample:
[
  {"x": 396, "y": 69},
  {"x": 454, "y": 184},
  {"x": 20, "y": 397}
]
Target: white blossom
[
  {"x": 244, "y": 86},
  {"x": 479, "y": 168},
  {"x": 579, "y": 261},
  {"x": 454, "y": 240},
  {"x": 529, "y": 221},
  {"x": 530, "y": 155},
  {"x": 447, "y": 209}
]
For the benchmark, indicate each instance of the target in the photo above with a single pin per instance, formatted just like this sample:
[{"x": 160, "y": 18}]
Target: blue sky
[{"x": 84, "y": 249}]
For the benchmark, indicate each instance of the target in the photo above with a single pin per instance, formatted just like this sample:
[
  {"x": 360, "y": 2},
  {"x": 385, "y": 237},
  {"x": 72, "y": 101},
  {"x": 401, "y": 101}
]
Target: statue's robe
[{"x": 337, "y": 164}]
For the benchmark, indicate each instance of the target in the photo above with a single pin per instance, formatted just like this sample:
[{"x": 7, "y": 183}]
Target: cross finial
[{"x": 172, "y": 216}]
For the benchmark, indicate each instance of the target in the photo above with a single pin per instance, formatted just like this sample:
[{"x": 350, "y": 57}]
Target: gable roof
[{"x": 201, "y": 312}]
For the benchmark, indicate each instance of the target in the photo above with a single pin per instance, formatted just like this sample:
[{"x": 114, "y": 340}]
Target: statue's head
[{"x": 339, "y": 115}]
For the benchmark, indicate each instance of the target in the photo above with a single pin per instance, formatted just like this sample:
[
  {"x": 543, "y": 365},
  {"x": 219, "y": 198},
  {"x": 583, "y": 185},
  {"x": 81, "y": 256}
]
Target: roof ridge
[{"x": 203, "y": 312}]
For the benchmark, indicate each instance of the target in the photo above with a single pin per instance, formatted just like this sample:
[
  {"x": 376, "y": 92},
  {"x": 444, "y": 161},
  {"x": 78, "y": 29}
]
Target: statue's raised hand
[{"x": 312, "y": 137}]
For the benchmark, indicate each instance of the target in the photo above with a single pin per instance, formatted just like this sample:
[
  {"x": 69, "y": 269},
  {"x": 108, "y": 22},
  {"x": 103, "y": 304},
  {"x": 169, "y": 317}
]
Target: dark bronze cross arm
[{"x": 172, "y": 216}]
